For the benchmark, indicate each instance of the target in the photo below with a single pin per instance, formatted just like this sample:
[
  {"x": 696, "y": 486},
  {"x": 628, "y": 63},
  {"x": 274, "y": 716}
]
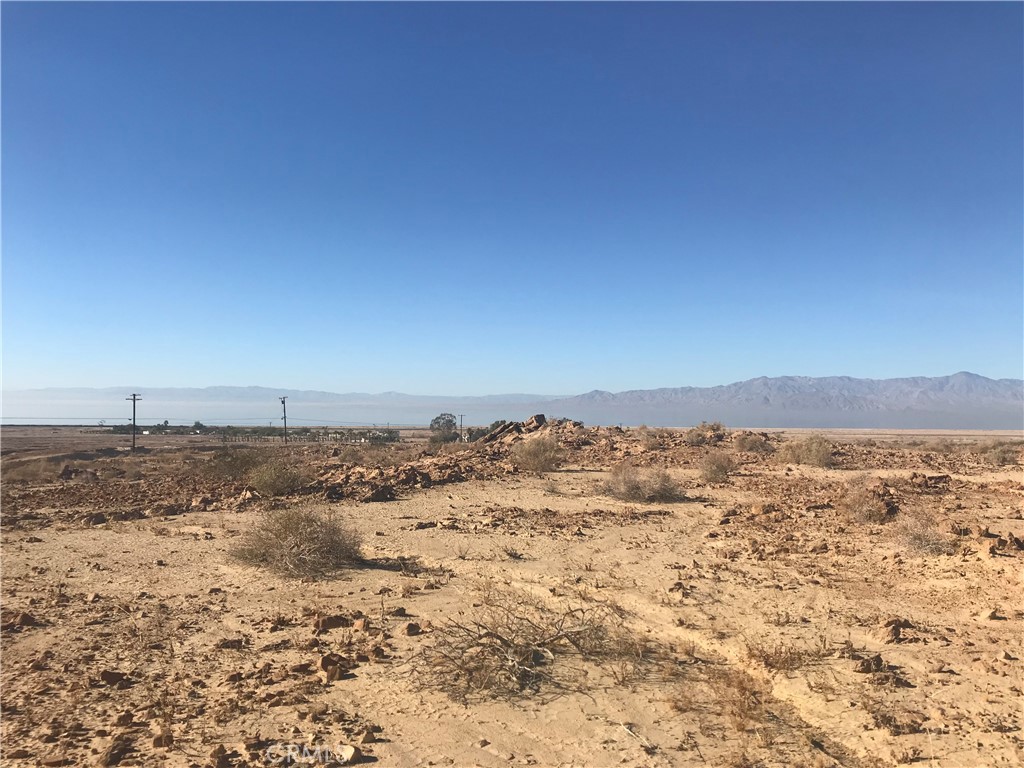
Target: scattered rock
[
  {"x": 163, "y": 740},
  {"x": 870, "y": 664},
  {"x": 326, "y": 623},
  {"x": 348, "y": 755},
  {"x": 379, "y": 494},
  {"x": 115, "y": 753},
  {"x": 334, "y": 666},
  {"x": 124, "y": 719},
  {"x": 18, "y": 621},
  {"x": 115, "y": 679}
]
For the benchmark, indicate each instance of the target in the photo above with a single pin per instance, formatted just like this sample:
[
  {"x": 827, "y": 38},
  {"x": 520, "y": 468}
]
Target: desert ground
[{"x": 554, "y": 595}]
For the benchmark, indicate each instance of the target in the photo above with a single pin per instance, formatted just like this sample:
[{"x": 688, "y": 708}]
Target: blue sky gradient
[{"x": 475, "y": 198}]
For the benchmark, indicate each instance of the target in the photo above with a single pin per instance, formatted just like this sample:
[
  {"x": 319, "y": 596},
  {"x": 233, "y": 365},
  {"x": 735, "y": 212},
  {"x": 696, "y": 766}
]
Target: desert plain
[{"x": 554, "y": 594}]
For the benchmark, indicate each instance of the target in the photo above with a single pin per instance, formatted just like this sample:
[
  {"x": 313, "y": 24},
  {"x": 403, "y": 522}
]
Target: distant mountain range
[{"x": 961, "y": 401}]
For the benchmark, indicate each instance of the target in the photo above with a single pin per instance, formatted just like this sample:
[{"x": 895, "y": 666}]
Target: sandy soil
[{"x": 772, "y": 619}]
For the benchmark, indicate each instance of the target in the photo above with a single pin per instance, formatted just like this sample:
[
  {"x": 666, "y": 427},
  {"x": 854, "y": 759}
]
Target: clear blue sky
[{"x": 474, "y": 198}]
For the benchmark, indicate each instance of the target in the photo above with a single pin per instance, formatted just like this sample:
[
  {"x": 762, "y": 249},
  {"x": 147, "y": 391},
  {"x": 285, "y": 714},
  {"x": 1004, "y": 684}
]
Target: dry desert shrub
[
  {"x": 1003, "y": 453},
  {"x": 376, "y": 454},
  {"x": 751, "y": 442},
  {"x": 300, "y": 543},
  {"x": 33, "y": 471},
  {"x": 814, "y": 450},
  {"x": 538, "y": 454},
  {"x": 269, "y": 473},
  {"x": 706, "y": 433},
  {"x": 234, "y": 463},
  {"x": 867, "y": 500},
  {"x": 630, "y": 483},
  {"x": 278, "y": 478},
  {"x": 920, "y": 535},
  {"x": 716, "y": 467},
  {"x": 650, "y": 439},
  {"x": 515, "y": 644}
]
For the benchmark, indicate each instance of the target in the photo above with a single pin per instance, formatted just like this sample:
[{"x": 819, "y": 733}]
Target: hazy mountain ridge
[
  {"x": 960, "y": 401},
  {"x": 831, "y": 392}
]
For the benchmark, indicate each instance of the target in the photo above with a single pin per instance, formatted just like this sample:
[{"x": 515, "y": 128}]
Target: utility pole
[
  {"x": 284, "y": 406},
  {"x": 462, "y": 437},
  {"x": 134, "y": 398}
]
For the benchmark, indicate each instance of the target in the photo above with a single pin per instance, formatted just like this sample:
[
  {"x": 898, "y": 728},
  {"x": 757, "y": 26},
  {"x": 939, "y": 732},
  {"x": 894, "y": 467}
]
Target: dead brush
[
  {"x": 716, "y": 467},
  {"x": 268, "y": 472},
  {"x": 919, "y": 534},
  {"x": 752, "y": 442},
  {"x": 515, "y": 645},
  {"x": 1003, "y": 452},
  {"x": 706, "y": 433},
  {"x": 538, "y": 454},
  {"x": 867, "y": 500},
  {"x": 233, "y": 464},
  {"x": 650, "y": 439},
  {"x": 779, "y": 656},
  {"x": 30, "y": 471},
  {"x": 279, "y": 478},
  {"x": 814, "y": 450},
  {"x": 630, "y": 483},
  {"x": 737, "y": 696},
  {"x": 298, "y": 543}
]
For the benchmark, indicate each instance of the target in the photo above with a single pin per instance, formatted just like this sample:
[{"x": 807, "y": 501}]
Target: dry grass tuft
[
  {"x": 517, "y": 645},
  {"x": 814, "y": 450},
  {"x": 300, "y": 543},
  {"x": 539, "y": 454},
  {"x": 630, "y": 483},
  {"x": 779, "y": 656},
  {"x": 740, "y": 696}
]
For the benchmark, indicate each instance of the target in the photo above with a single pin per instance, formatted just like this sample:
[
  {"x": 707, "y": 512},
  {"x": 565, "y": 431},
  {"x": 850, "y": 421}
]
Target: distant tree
[
  {"x": 444, "y": 423},
  {"x": 199, "y": 427},
  {"x": 444, "y": 428}
]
